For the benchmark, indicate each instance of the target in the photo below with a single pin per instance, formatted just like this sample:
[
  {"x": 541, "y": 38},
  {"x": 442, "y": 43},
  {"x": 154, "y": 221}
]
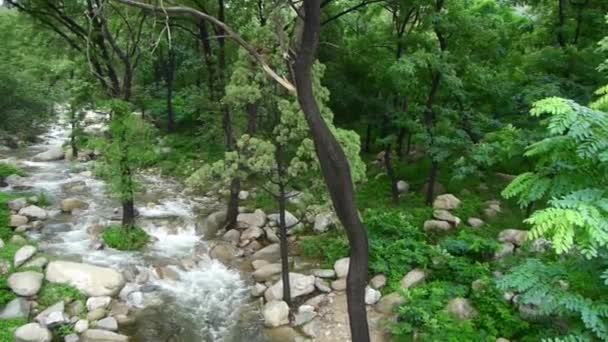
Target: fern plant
[{"x": 571, "y": 173}]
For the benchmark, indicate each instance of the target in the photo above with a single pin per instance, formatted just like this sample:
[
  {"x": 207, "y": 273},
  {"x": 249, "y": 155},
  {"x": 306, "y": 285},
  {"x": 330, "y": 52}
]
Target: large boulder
[
  {"x": 372, "y": 296},
  {"x": 323, "y": 222},
  {"x": 94, "y": 303},
  {"x": 403, "y": 187},
  {"x": 255, "y": 219},
  {"x": 251, "y": 233},
  {"x": 276, "y": 313},
  {"x": 291, "y": 221},
  {"x": 33, "y": 332},
  {"x": 413, "y": 278},
  {"x": 69, "y": 204},
  {"x": 98, "y": 335},
  {"x": 18, "y": 220},
  {"x": 475, "y": 222},
  {"x": 53, "y": 153},
  {"x": 436, "y": 226},
  {"x": 514, "y": 236},
  {"x": 18, "y": 308},
  {"x": 93, "y": 281},
  {"x": 341, "y": 267},
  {"x": 225, "y": 252},
  {"x": 447, "y": 202},
  {"x": 266, "y": 272},
  {"x": 269, "y": 253},
  {"x": 25, "y": 284},
  {"x": 24, "y": 254},
  {"x": 389, "y": 303},
  {"x": 210, "y": 225},
  {"x": 50, "y": 314},
  {"x": 33, "y": 212},
  {"x": 444, "y": 215},
  {"x": 461, "y": 308},
  {"x": 300, "y": 285}
]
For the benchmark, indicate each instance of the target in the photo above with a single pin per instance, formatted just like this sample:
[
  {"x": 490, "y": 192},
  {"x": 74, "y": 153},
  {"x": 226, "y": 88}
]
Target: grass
[
  {"x": 8, "y": 327},
  {"x": 7, "y": 169},
  {"x": 53, "y": 293},
  {"x": 133, "y": 239}
]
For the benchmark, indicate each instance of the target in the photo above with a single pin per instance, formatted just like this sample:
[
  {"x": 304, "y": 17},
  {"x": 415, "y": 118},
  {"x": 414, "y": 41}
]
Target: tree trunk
[
  {"x": 283, "y": 227},
  {"x": 336, "y": 173},
  {"x": 169, "y": 78},
  {"x": 391, "y": 174},
  {"x": 430, "y": 192},
  {"x": 252, "y": 118},
  {"x": 368, "y": 138},
  {"x": 74, "y": 120},
  {"x": 561, "y": 35},
  {"x": 128, "y": 214}
]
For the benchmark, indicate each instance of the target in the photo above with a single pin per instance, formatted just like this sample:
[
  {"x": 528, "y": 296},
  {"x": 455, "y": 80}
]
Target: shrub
[
  {"x": 470, "y": 245},
  {"x": 10, "y": 169},
  {"x": 8, "y": 327},
  {"x": 326, "y": 247},
  {"x": 53, "y": 293},
  {"x": 131, "y": 239}
]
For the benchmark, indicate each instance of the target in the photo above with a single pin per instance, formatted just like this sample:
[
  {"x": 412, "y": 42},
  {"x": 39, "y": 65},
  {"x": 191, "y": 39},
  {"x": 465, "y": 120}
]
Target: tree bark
[
  {"x": 368, "y": 138},
  {"x": 169, "y": 78},
  {"x": 336, "y": 173},
  {"x": 283, "y": 227},
  {"x": 390, "y": 172}
]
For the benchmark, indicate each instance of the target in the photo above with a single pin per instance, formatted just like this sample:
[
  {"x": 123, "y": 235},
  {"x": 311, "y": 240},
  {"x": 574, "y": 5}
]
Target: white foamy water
[{"x": 209, "y": 297}]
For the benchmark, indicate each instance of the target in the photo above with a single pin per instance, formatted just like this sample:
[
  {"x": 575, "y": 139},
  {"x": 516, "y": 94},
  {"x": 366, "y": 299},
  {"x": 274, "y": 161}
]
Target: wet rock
[
  {"x": 475, "y": 222},
  {"x": 255, "y": 219},
  {"x": 322, "y": 286},
  {"x": 93, "y": 281},
  {"x": 33, "y": 332},
  {"x": 339, "y": 285},
  {"x": 461, "y": 308},
  {"x": 17, "y": 204},
  {"x": 341, "y": 267},
  {"x": 108, "y": 323},
  {"x": 33, "y": 212},
  {"x": 96, "y": 314},
  {"x": 389, "y": 303},
  {"x": 233, "y": 236},
  {"x": 98, "y": 335},
  {"x": 18, "y": 220},
  {"x": 251, "y": 233},
  {"x": 52, "y": 154},
  {"x": 444, "y": 215},
  {"x": 403, "y": 187},
  {"x": 378, "y": 281},
  {"x": 266, "y": 272},
  {"x": 413, "y": 278},
  {"x": 69, "y": 204},
  {"x": 24, "y": 254},
  {"x": 166, "y": 272},
  {"x": 210, "y": 225},
  {"x": 324, "y": 273},
  {"x": 436, "y": 226},
  {"x": 299, "y": 285},
  {"x": 372, "y": 296},
  {"x": 74, "y": 186},
  {"x": 514, "y": 236},
  {"x": 447, "y": 202},
  {"x": 276, "y": 313},
  {"x": 25, "y": 284},
  {"x": 258, "y": 290},
  {"x": 95, "y": 229},
  {"x": 225, "y": 252},
  {"x": 506, "y": 248},
  {"x": 268, "y": 253},
  {"x": 305, "y": 314},
  {"x": 17, "y": 308},
  {"x": 94, "y": 303},
  {"x": 323, "y": 222}
]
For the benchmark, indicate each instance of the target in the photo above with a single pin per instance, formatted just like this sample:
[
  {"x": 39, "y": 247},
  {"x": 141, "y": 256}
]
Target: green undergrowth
[
  {"x": 7, "y": 169},
  {"x": 187, "y": 153},
  {"x": 132, "y": 239},
  {"x": 53, "y": 293},
  {"x": 8, "y": 327}
]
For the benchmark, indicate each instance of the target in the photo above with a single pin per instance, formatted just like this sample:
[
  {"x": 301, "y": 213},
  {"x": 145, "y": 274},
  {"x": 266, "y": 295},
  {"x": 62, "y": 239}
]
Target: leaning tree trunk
[
  {"x": 74, "y": 121},
  {"x": 283, "y": 226},
  {"x": 336, "y": 173}
]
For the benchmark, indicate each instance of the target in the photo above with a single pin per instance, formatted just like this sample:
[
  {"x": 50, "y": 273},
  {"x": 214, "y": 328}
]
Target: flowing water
[{"x": 209, "y": 302}]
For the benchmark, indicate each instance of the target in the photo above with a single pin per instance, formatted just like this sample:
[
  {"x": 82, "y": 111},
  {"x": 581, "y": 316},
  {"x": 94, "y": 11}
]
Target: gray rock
[
  {"x": 413, "y": 278},
  {"x": 96, "y": 314},
  {"x": 444, "y": 215},
  {"x": 324, "y": 273},
  {"x": 378, "y": 281},
  {"x": 25, "y": 284},
  {"x": 475, "y": 222},
  {"x": 506, "y": 248},
  {"x": 323, "y": 222},
  {"x": 255, "y": 219},
  {"x": 311, "y": 329},
  {"x": 257, "y": 264},
  {"x": 276, "y": 313},
  {"x": 269, "y": 253},
  {"x": 75, "y": 308},
  {"x": 34, "y": 212},
  {"x": 44, "y": 315},
  {"x": 322, "y": 286},
  {"x": 17, "y": 204},
  {"x": 372, "y": 296},
  {"x": 70, "y": 204},
  {"x": 341, "y": 267},
  {"x": 299, "y": 285},
  {"x": 98, "y": 335},
  {"x": 271, "y": 236},
  {"x": 108, "y": 323},
  {"x": 266, "y": 272},
  {"x": 447, "y": 202},
  {"x": 52, "y": 154},
  {"x": 39, "y": 262},
  {"x": 251, "y": 233},
  {"x": 225, "y": 252},
  {"x": 243, "y": 195},
  {"x": 403, "y": 187},
  {"x": 93, "y": 281},
  {"x": 33, "y": 332},
  {"x": 339, "y": 285},
  {"x": 305, "y": 314},
  {"x": 514, "y": 236},
  {"x": 18, "y": 220},
  {"x": 18, "y": 308},
  {"x": 18, "y": 240},
  {"x": 437, "y": 226},
  {"x": 291, "y": 222},
  {"x": 233, "y": 236},
  {"x": 389, "y": 303},
  {"x": 24, "y": 254},
  {"x": 71, "y": 338},
  {"x": 81, "y": 326},
  {"x": 98, "y": 302},
  {"x": 56, "y": 318},
  {"x": 258, "y": 290},
  {"x": 211, "y": 224},
  {"x": 461, "y": 308}
]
